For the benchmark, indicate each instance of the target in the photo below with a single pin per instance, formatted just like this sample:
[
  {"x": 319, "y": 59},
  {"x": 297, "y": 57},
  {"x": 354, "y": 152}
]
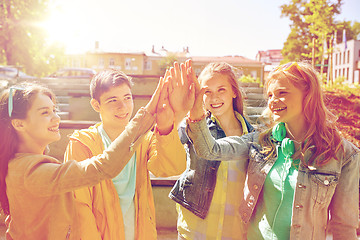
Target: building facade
[{"x": 346, "y": 61}]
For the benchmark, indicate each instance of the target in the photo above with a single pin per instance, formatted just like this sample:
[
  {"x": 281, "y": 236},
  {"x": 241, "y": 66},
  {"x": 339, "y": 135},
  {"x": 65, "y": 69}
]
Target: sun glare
[{"x": 68, "y": 27}]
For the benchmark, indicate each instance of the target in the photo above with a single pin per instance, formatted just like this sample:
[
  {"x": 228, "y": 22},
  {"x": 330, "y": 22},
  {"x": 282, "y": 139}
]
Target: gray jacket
[
  {"x": 327, "y": 192},
  {"x": 195, "y": 187}
]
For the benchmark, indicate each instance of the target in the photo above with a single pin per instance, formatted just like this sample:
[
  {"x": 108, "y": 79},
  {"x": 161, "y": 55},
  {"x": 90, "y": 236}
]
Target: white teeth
[
  {"x": 54, "y": 129},
  {"x": 122, "y": 115},
  {"x": 279, "y": 109},
  {"x": 216, "y": 105}
]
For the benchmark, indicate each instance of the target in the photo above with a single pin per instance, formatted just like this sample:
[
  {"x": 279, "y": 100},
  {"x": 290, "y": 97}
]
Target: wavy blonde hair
[{"x": 321, "y": 131}]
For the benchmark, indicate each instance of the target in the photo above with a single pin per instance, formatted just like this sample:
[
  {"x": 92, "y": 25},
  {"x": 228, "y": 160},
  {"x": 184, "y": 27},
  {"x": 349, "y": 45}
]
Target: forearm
[{"x": 224, "y": 149}]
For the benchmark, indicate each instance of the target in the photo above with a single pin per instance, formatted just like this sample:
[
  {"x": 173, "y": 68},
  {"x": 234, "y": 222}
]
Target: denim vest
[
  {"x": 195, "y": 187},
  {"x": 325, "y": 197}
]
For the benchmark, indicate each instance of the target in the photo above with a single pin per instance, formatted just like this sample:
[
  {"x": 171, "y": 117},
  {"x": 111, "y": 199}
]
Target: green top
[{"x": 272, "y": 217}]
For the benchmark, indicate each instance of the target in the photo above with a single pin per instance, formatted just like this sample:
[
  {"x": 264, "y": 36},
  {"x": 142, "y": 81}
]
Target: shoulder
[
  {"x": 348, "y": 151},
  {"x": 86, "y": 136}
]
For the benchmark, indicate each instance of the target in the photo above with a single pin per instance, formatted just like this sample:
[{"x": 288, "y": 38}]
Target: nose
[
  {"x": 56, "y": 117},
  {"x": 120, "y": 105}
]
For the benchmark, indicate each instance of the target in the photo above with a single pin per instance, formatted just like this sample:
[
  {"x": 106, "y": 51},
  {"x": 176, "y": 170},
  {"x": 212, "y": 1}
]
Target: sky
[{"x": 207, "y": 27}]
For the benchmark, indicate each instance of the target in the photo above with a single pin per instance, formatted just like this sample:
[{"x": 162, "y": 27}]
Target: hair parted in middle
[
  {"x": 321, "y": 130},
  {"x": 229, "y": 71},
  {"x": 106, "y": 79}
]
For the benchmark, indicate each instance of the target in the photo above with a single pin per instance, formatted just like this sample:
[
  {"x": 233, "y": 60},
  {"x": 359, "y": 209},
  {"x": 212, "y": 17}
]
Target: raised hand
[
  {"x": 181, "y": 91},
  {"x": 164, "y": 113},
  {"x": 197, "y": 111}
]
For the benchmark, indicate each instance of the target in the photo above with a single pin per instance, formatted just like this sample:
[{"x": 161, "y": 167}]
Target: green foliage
[
  {"x": 339, "y": 84},
  {"x": 167, "y": 62},
  {"x": 310, "y": 19},
  {"x": 22, "y": 40},
  {"x": 248, "y": 79}
]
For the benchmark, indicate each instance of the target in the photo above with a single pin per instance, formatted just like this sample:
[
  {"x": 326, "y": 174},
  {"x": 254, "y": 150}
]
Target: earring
[{"x": 287, "y": 145}]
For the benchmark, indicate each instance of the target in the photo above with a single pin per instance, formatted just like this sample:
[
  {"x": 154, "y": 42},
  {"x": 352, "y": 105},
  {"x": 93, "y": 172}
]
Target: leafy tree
[
  {"x": 167, "y": 62},
  {"x": 22, "y": 40},
  {"x": 310, "y": 19}
]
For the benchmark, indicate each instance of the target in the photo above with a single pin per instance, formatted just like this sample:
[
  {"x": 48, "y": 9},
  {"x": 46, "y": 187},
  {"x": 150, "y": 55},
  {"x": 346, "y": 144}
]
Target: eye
[
  {"x": 270, "y": 95},
  {"x": 207, "y": 92},
  {"x": 221, "y": 90},
  {"x": 112, "y": 100},
  {"x": 45, "y": 112},
  {"x": 128, "y": 98}
]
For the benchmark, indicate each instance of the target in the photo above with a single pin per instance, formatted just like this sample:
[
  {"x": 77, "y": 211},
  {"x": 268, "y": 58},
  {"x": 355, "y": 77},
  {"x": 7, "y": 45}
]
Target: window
[
  {"x": 344, "y": 57},
  {"x": 253, "y": 74},
  {"x": 111, "y": 62},
  {"x": 347, "y": 73},
  {"x": 335, "y": 73},
  {"x": 147, "y": 65},
  {"x": 348, "y": 56},
  {"x": 340, "y": 58},
  {"x": 101, "y": 62},
  {"x": 336, "y": 56},
  {"x": 127, "y": 63}
]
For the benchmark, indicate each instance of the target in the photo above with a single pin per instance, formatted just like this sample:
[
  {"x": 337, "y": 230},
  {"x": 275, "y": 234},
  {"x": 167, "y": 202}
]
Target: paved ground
[{"x": 163, "y": 234}]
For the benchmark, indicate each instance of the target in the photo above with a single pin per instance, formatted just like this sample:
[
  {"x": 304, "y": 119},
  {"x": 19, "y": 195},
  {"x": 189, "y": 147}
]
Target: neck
[
  {"x": 30, "y": 146},
  {"x": 296, "y": 131},
  {"x": 230, "y": 124},
  {"x": 113, "y": 132}
]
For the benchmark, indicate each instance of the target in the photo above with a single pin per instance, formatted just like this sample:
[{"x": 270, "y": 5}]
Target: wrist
[
  {"x": 164, "y": 131},
  {"x": 193, "y": 118}
]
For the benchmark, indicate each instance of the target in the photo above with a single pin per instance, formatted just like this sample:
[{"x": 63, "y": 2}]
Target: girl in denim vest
[
  {"x": 302, "y": 177},
  {"x": 208, "y": 193}
]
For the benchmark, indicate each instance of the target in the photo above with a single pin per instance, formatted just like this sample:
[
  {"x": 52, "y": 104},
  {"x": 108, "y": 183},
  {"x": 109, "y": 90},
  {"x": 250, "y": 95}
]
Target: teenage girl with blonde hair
[
  {"x": 208, "y": 193},
  {"x": 302, "y": 177}
]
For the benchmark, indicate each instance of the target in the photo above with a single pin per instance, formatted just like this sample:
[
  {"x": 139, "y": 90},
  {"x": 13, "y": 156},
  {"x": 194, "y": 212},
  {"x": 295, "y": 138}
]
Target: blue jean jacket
[
  {"x": 327, "y": 196},
  {"x": 195, "y": 187}
]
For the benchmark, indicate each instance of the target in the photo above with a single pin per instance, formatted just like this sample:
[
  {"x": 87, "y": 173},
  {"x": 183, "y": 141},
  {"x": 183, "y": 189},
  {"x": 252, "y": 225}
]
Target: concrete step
[
  {"x": 254, "y": 110},
  {"x": 248, "y": 84},
  {"x": 253, "y": 90},
  {"x": 64, "y": 115},
  {"x": 63, "y": 107},
  {"x": 62, "y": 99},
  {"x": 255, "y": 102},
  {"x": 258, "y": 96}
]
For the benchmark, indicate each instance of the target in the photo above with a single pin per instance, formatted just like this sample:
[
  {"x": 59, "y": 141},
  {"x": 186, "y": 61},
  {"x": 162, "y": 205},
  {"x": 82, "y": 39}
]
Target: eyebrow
[{"x": 43, "y": 108}]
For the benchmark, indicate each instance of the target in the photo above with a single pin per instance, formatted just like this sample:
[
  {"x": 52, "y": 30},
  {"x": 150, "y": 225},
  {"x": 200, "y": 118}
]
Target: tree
[
  {"x": 22, "y": 40},
  {"x": 167, "y": 62},
  {"x": 310, "y": 19}
]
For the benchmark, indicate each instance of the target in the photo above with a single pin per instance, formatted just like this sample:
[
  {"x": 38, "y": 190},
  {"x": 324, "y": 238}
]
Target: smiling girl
[
  {"x": 36, "y": 189},
  {"x": 302, "y": 177},
  {"x": 208, "y": 193}
]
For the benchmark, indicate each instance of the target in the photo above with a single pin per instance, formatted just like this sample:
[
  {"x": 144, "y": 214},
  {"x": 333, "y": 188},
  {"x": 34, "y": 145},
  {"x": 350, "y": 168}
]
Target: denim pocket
[{"x": 323, "y": 185}]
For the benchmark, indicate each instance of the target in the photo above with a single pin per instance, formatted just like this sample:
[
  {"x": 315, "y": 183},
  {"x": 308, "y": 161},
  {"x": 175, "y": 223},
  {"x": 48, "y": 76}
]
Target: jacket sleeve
[
  {"x": 223, "y": 149},
  {"x": 47, "y": 177},
  {"x": 166, "y": 155},
  {"x": 344, "y": 208},
  {"x": 83, "y": 196}
]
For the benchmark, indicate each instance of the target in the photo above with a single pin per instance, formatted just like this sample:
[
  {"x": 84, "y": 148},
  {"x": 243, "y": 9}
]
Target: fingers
[
  {"x": 184, "y": 77},
  {"x": 177, "y": 73},
  {"x": 152, "y": 104}
]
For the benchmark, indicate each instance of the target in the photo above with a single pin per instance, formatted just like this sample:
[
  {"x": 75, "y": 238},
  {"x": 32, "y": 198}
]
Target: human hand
[
  {"x": 151, "y": 107},
  {"x": 181, "y": 91},
  {"x": 164, "y": 113},
  {"x": 197, "y": 111}
]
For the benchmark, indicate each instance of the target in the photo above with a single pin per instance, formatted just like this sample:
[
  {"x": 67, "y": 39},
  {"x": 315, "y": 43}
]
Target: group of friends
[{"x": 294, "y": 177}]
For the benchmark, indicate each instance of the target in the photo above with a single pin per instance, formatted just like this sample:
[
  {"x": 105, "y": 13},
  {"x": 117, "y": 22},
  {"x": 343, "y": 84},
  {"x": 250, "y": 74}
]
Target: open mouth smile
[
  {"x": 216, "y": 105},
  {"x": 54, "y": 129}
]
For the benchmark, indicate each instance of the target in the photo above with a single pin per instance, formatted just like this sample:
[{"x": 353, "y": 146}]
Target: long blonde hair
[{"x": 321, "y": 131}]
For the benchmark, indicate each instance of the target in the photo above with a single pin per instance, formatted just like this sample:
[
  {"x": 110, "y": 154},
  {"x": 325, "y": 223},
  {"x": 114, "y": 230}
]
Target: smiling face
[
  {"x": 218, "y": 95},
  {"x": 115, "y": 107},
  {"x": 41, "y": 126},
  {"x": 285, "y": 101}
]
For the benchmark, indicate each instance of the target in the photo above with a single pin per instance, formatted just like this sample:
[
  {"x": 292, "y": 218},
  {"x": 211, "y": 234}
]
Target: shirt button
[
  {"x": 298, "y": 206},
  {"x": 245, "y": 214},
  {"x": 296, "y": 225},
  {"x": 301, "y": 186},
  {"x": 256, "y": 187},
  {"x": 326, "y": 182}
]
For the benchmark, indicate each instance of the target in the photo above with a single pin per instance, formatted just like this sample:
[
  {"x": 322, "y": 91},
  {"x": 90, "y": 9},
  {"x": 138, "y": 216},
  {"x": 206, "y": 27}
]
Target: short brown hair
[{"x": 106, "y": 79}]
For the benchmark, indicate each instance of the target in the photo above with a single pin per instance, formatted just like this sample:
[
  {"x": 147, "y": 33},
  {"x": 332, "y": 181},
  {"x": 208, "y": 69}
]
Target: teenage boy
[{"x": 123, "y": 208}]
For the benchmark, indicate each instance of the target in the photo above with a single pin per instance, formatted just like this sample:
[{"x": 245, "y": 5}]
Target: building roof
[{"x": 233, "y": 60}]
